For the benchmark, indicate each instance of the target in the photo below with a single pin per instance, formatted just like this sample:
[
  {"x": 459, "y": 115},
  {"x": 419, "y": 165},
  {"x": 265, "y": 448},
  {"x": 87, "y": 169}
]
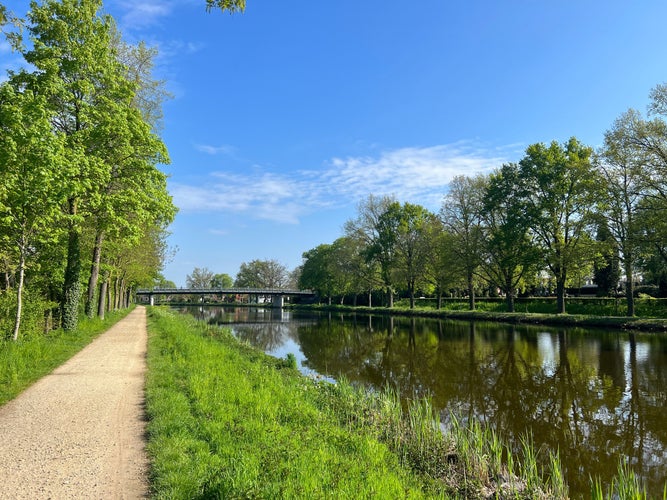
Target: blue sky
[{"x": 285, "y": 117}]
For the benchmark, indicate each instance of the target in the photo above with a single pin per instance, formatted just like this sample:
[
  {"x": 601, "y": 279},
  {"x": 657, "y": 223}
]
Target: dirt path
[{"x": 79, "y": 432}]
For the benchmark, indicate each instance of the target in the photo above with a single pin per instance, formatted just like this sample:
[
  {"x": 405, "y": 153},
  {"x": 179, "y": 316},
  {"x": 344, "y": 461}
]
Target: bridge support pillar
[
  {"x": 151, "y": 299},
  {"x": 278, "y": 301}
]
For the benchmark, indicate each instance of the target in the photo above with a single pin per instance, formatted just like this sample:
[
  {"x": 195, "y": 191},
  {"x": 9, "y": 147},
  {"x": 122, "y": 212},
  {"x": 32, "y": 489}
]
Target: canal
[{"x": 596, "y": 396}]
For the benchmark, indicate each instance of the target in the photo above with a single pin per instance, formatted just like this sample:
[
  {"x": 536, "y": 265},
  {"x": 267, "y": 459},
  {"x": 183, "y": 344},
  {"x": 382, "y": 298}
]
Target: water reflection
[{"x": 595, "y": 396}]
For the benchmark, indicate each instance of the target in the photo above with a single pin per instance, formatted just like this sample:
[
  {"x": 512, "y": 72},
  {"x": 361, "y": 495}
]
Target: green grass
[
  {"x": 227, "y": 421},
  {"x": 31, "y": 357}
]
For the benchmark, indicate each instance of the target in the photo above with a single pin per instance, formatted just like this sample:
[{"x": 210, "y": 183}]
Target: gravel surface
[{"x": 79, "y": 432}]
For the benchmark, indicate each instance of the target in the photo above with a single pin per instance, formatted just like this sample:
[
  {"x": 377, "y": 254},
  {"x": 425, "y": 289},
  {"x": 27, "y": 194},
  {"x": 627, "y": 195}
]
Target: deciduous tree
[
  {"x": 262, "y": 274},
  {"x": 200, "y": 277},
  {"x": 230, "y": 6},
  {"x": 461, "y": 214},
  {"x": 509, "y": 253},
  {"x": 410, "y": 223},
  {"x": 376, "y": 239},
  {"x": 561, "y": 189},
  {"x": 32, "y": 187}
]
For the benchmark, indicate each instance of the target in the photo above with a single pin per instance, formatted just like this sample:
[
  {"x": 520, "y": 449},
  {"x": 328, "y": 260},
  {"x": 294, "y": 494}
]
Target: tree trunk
[
  {"x": 101, "y": 307},
  {"x": 509, "y": 295},
  {"x": 121, "y": 298},
  {"x": 471, "y": 293},
  {"x": 72, "y": 286},
  {"x": 390, "y": 297},
  {"x": 91, "y": 302},
  {"x": 560, "y": 295},
  {"x": 629, "y": 289},
  {"x": 439, "y": 306},
  {"x": 370, "y": 298},
  {"x": 116, "y": 293},
  {"x": 19, "y": 296}
]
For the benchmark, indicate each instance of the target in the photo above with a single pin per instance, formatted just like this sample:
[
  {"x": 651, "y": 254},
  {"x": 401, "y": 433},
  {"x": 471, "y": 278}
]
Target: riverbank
[
  {"x": 656, "y": 325},
  {"x": 228, "y": 421}
]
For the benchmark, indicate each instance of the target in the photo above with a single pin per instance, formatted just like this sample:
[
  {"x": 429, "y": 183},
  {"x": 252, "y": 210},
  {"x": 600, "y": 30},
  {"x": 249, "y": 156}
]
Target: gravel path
[{"x": 79, "y": 432}]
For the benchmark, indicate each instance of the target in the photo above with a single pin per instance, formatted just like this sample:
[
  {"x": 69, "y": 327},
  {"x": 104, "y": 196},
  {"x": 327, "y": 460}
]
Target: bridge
[{"x": 277, "y": 294}]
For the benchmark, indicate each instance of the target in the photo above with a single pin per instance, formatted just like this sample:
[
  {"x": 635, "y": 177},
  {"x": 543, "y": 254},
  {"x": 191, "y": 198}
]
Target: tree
[
  {"x": 635, "y": 161},
  {"x": 461, "y": 214},
  {"x": 230, "y": 6},
  {"x": 85, "y": 87},
  {"x": 113, "y": 184},
  {"x": 138, "y": 61},
  {"x": 222, "y": 281},
  {"x": 32, "y": 185},
  {"x": 621, "y": 166},
  {"x": 317, "y": 271},
  {"x": 560, "y": 191},
  {"x": 376, "y": 239},
  {"x": 262, "y": 274},
  {"x": 606, "y": 272},
  {"x": 200, "y": 278},
  {"x": 410, "y": 223},
  {"x": 509, "y": 253},
  {"x": 441, "y": 270}
]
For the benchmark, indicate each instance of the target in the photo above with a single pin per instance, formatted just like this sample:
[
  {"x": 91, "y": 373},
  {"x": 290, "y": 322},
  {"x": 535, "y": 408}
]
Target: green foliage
[
  {"x": 625, "y": 485},
  {"x": 71, "y": 307},
  {"x": 78, "y": 158},
  {"x": 199, "y": 278},
  {"x": 262, "y": 274},
  {"x": 230, "y": 6},
  {"x": 222, "y": 280}
]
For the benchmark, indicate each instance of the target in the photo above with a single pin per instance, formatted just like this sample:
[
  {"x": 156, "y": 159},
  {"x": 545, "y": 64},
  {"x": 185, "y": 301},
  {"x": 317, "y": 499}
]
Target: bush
[{"x": 33, "y": 317}]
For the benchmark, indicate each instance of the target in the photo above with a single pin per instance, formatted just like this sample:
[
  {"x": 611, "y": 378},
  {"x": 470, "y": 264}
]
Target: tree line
[
  {"x": 562, "y": 213},
  {"x": 84, "y": 208},
  {"x": 254, "y": 274}
]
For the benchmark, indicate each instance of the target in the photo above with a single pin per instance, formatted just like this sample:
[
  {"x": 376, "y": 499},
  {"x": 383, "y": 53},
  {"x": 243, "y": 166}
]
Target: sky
[{"x": 286, "y": 117}]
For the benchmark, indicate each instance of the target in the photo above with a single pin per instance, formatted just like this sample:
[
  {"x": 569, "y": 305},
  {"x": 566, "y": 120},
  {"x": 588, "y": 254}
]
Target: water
[{"x": 596, "y": 396}]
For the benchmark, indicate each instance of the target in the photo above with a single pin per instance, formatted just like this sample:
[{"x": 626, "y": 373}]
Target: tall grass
[
  {"x": 626, "y": 485},
  {"x": 33, "y": 356}
]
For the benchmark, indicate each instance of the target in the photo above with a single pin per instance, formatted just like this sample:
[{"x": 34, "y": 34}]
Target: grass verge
[
  {"x": 227, "y": 421},
  {"x": 27, "y": 360},
  {"x": 657, "y": 325}
]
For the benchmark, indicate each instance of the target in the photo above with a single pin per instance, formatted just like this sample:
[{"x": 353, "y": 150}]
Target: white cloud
[
  {"x": 141, "y": 14},
  {"x": 416, "y": 174},
  {"x": 215, "y": 150}
]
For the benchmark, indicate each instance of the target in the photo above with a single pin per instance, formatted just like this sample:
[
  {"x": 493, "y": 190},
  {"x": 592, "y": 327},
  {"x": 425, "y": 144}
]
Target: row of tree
[
  {"x": 83, "y": 205},
  {"x": 560, "y": 214},
  {"x": 257, "y": 273}
]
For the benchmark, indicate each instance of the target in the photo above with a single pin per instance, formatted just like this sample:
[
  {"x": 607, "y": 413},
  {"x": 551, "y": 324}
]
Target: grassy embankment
[
  {"x": 31, "y": 357},
  {"x": 587, "y": 313},
  {"x": 227, "y": 421}
]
